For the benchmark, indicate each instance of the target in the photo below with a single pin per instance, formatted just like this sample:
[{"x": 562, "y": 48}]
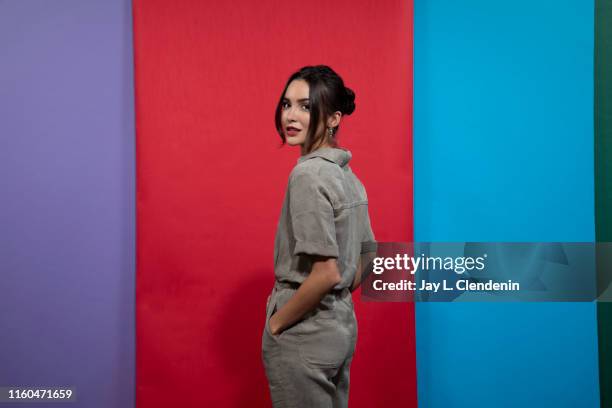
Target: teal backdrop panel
[{"x": 503, "y": 151}]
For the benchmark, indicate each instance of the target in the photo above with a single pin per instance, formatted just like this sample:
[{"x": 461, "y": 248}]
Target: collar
[{"x": 333, "y": 154}]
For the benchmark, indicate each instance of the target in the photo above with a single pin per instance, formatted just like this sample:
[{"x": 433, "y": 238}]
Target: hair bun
[{"x": 349, "y": 101}]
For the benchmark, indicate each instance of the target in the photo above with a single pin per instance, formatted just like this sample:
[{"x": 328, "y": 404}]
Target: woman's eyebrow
[{"x": 299, "y": 100}]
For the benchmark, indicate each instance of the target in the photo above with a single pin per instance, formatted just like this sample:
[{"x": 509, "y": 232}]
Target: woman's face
[{"x": 295, "y": 116}]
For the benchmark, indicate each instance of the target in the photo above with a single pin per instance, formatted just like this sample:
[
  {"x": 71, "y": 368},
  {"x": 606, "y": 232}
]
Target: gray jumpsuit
[{"x": 325, "y": 212}]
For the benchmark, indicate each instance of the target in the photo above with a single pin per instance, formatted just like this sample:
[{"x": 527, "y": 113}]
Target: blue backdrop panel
[{"x": 503, "y": 151}]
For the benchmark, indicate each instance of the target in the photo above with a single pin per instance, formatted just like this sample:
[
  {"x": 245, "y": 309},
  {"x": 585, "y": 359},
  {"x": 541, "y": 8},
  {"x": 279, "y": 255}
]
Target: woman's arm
[
  {"x": 322, "y": 278},
  {"x": 363, "y": 269}
]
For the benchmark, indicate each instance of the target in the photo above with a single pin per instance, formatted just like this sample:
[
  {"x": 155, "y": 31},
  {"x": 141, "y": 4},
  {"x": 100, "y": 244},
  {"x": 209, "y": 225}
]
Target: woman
[{"x": 323, "y": 234}]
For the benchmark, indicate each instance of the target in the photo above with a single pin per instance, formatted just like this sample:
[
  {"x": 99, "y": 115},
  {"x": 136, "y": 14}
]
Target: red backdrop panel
[{"x": 211, "y": 180}]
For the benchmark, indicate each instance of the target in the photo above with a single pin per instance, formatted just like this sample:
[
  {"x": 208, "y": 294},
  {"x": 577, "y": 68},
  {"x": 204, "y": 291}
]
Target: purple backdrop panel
[{"x": 67, "y": 225}]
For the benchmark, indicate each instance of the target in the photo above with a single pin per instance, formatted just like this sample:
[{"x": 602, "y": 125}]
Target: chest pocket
[{"x": 349, "y": 193}]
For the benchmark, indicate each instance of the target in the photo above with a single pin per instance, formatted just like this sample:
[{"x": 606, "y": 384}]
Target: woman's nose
[{"x": 291, "y": 115}]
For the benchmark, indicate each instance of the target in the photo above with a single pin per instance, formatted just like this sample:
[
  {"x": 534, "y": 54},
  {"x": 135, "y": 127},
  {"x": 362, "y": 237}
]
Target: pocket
[
  {"x": 273, "y": 307},
  {"x": 270, "y": 307},
  {"x": 326, "y": 342}
]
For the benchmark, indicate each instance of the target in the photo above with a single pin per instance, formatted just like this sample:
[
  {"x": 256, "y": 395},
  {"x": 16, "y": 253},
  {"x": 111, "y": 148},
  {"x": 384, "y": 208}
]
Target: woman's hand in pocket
[{"x": 274, "y": 324}]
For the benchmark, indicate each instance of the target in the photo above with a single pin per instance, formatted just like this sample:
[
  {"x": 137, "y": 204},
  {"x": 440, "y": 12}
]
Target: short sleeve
[
  {"x": 312, "y": 215},
  {"x": 368, "y": 243}
]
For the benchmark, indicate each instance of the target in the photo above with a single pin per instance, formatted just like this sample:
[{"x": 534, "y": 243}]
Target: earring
[{"x": 330, "y": 131}]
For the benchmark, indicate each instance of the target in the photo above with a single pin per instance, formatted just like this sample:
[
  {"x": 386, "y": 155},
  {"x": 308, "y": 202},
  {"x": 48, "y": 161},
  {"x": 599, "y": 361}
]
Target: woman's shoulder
[
  {"x": 316, "y": 170},
  {"x": 318, "y": 175}
]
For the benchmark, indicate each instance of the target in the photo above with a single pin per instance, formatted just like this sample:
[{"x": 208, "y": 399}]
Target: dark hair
[{"x": 327, "y": 94}]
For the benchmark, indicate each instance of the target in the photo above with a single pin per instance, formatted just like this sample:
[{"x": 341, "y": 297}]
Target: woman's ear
[{"x": 334, "y": 119}]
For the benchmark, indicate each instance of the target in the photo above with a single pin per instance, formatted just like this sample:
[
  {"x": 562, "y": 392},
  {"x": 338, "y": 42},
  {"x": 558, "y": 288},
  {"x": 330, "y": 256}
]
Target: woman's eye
[{"x": 285, "y": 105}]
